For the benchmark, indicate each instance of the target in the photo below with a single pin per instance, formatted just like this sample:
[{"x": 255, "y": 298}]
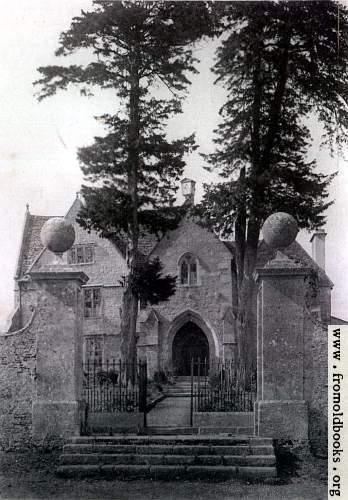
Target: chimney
[
  {"x": 188, "y": 187},
  {"x": 318, "y": 247}
]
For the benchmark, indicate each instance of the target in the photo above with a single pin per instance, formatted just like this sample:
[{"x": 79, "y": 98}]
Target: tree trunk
[
  {"x": 129, "y": 313},
  {"x": 240, "y": 228},
  {"x": 128, "y": 331},
  {"x": 245, "y": 327},
  {"x": 246, "y": 248}
]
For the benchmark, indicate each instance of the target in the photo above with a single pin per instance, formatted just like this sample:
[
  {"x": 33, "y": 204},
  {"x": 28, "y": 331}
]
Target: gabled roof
[
  {"x": 296, "y": 253},
  {"x": 146, "y": 243},
  {"x": 31, "y": 244},
  {"x": 293, "y": 251}
]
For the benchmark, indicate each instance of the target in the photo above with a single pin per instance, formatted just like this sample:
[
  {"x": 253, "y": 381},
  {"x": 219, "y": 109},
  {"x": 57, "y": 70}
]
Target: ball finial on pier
[
  {"x": 57, "y": 235},
  {"x": 279, "y": 230}
]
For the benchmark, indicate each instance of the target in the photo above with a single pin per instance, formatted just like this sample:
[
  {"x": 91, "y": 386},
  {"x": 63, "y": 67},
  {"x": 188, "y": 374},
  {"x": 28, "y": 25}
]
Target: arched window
[{"x": 188, "y": 270}]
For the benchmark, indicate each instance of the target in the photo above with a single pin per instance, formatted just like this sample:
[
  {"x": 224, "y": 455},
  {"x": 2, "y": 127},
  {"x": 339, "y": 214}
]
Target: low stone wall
[
  {"x": 17, "y": 386},
  {"x": 114, "y": 422},
  {"x": 223, "y": 419}
]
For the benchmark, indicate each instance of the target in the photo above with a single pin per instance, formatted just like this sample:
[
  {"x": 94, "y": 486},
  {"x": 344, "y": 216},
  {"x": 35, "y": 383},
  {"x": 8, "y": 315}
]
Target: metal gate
[
  {"x": 221, "y": 387},
  {"x": 115, "y": 387}
]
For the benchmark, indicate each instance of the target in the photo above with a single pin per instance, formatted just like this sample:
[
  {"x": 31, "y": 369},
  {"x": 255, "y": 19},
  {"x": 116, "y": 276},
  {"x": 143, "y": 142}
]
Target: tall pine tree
[
  {"x": 281, "y": 64},
  {"x": 132, "y": 172}
]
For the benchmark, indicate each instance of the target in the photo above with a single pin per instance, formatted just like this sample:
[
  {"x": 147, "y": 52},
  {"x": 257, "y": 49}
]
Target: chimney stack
[
  {"x": 318, "y": 247},
  {"x": 188, "y": 187}
]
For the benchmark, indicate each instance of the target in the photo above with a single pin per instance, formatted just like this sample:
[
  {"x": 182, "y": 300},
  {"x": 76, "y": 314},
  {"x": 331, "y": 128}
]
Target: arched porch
[{"x": 190, "y": 336}]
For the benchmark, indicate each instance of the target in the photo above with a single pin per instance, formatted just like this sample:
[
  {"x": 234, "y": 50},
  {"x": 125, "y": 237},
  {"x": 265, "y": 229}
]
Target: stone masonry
[
  {"x": 281, "y": 409},
  {"x": 17, "y": 386},
  {"x": 34, "y": 339}
]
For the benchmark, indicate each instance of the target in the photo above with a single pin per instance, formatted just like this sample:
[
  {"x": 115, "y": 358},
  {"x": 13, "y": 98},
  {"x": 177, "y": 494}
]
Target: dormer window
[{"x": 188, "y": 270}]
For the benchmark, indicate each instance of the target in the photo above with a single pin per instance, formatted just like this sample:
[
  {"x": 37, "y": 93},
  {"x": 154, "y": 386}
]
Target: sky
[{"x": 38, "y": 141}]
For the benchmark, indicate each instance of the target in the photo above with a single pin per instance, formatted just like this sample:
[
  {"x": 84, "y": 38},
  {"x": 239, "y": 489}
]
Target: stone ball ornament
[
  {"x": 279, "y": 230},
  {"x": 57, "y": 235}
]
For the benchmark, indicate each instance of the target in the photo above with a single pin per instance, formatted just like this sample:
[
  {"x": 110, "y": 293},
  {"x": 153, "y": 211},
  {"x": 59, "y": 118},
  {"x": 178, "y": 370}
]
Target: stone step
[
  {"x": 157, "y": 459},
  {"x": 213, "y": 439},
  {"x": 166, "y": 449},
  {"x": 167, "y": 472},
  {"x": 170, "y": 431},
  {"x": 241, "y": 431},
  {"x": 177, "y": 431}
]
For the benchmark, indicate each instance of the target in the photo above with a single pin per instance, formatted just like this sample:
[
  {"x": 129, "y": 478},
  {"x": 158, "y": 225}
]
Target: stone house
[
  {"x": 198, "y": 321},
  {"x": 67, "y": 310}
]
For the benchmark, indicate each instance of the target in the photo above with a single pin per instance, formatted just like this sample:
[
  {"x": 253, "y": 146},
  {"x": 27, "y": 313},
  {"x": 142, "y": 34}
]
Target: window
[
  {"x": 92, "y": 301},
  {"x": 188, "y": 270},
  {"x": 81, "y": 254},
  {"x": 94, "y": 350}
]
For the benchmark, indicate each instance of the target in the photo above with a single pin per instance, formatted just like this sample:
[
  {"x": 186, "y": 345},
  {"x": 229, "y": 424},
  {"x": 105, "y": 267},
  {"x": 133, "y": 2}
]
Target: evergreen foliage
[
  {"x": 150, "y": 285},
  {"x": 132, "y": 172},
  {"x": 281, "y": 63}
]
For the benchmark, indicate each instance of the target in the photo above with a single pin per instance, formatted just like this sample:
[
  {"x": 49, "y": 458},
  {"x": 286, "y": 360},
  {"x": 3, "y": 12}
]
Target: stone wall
[
  {"x": 212, "y": 295},
  {"x": 28, "y": 299},
  {"x": 315, "y": 380},
  {"x": 17, "y": 386},
  {"x": 108, "y": 323},
  {"x": 109, "y": 265},
  {"x": 105, "y": 272}
]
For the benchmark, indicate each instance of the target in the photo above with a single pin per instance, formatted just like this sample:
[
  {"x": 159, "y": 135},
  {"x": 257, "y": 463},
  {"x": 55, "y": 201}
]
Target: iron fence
[
  {"x": 114, "y": 386},
  {"x": 222, "y": 387}
]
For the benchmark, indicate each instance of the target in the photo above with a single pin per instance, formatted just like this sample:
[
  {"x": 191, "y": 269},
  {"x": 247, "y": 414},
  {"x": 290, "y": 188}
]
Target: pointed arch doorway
[{"x": 189, "y": 342}]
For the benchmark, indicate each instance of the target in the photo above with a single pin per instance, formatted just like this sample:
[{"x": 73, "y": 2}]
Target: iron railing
[
  {"x": 114, "y": 386},
  {"x": 222, "y": 387}
]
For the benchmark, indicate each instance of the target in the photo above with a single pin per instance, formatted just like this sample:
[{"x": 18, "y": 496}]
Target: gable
[
  {"x": 191, "y": 237},
  {"x": 74, "y": 210},
  {"x": 146, "y": 243},
  {"x": 31, "y": 244},
  {"x": 109, "y": 265},
  {"x": 296, "y": 253},
  {"x": 214, "y": 255}
]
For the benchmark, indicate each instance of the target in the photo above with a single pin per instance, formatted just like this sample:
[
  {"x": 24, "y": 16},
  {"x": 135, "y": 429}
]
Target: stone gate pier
[
  {"x": 281, "y": 410},
  {"x": 291, "y": 400},
  {"x": 58, "y": 409}
]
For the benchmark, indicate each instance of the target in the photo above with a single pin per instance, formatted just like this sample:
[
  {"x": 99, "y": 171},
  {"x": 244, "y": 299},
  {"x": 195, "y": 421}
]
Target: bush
[{"x": 107, "y": 377}]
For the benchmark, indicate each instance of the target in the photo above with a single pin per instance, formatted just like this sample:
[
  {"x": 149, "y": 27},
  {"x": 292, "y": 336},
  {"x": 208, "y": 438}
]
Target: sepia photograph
[{"x": 174, "y": 233}]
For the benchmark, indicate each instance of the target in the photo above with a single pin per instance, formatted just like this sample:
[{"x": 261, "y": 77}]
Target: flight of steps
[
  {"x": 169, "y": 457},
  {"x": 181, "y": 387}
]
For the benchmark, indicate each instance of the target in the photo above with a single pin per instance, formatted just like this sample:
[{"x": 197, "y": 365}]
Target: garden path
[{"x": 171, "y": 412}]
